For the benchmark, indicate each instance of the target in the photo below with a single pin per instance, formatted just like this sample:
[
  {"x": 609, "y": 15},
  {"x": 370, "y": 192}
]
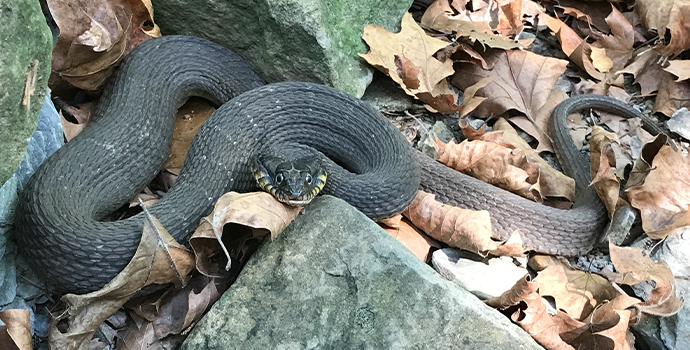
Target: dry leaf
[
  {"x": 574, "y": 291},
  {"x": 542, "y": 118},
  {"x": 408, "y": 56},
  {"x": 15, "y": 334},
  {"x": 578, "y": 50},
  {"x": 603, "y": 159},
  {"x": 679, "y": 68},
  {"x": 455, "y": 17},
  {"x": 646, "y": 70},
  {"x": 149, "y": 265},
  {"x": 643, "y": 164},
  {"x": 418, "y": 243},
  {"x": 553, "y": 185},
  {"x": 493, "y": 163},
  {"x": 178, "y": 312},
  {"x": 459, "y": 228},
  {"x": 248, "y": 216},
  {"x": 532, "y": 315},
  {"x": 618, "y": 46},
  {"x": 82, "y": 115},
  {"x": 664, "y": 197},
  {"x": 521, "y": 81},
  {"x": 670, "y": 19},
  {"x": 672, "y": 96},
  {"x": 634, "y": 267},
  {"x": 498, "y": 158},
  {"x": 609, "y": 326},
  {"x": 469, "y": 131},
  {"x": 189, "y": 119},
  {"x": 95, "y": 35},
  {"x": 588, "y": 11}
]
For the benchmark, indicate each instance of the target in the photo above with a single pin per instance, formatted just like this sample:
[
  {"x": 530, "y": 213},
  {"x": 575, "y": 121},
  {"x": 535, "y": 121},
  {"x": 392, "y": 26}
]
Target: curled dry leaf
[
  {"x": 455, "y": 17},
  {"x": 418, "y": 243},
  {"x": 469, "y": 131},
  {"x": 668, "y": 17},
  {"x": 247, "y": 216},
  {"x": 618, "y": 46},
  {"x": 634, "y": 267},
  {"x": 503, "y": 159},
  {"x": 532, "y": 316},
  {"x": 95, "y": 35},
  {"x": 494, "y": 163},
  {"x": 15, "y": 334},
  {"x": 603, "y": 159},
  {"x": 457, "y": 227},
  {"x": 578, "y": 50},
  {"x": 679, "y": 68},
  {"x": 643, "y": 164},
  {"x": 151, "y": 264},
  {"x": 664, "y": 197},
  {"x": 408, "y": 58}
]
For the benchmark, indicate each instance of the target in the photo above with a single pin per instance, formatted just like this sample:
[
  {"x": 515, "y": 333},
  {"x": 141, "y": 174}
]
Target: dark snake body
[{"x": 58, "y": 222}]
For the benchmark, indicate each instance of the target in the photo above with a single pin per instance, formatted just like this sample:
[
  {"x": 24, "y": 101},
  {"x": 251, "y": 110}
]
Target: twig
[{"x": 433, "y": 142}]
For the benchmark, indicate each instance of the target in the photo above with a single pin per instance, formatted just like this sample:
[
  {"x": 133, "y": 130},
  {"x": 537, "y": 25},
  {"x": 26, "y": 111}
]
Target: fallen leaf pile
[
  {"x": 476, "y": 47},
  {"x": 563, "y": 308}
]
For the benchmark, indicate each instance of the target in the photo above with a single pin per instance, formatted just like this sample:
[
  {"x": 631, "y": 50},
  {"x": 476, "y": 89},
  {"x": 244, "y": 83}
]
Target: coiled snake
[{"x": 58, "y": 222}]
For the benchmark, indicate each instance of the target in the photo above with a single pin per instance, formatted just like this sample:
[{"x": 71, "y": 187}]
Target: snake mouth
[{"x": 292, "y": 182}]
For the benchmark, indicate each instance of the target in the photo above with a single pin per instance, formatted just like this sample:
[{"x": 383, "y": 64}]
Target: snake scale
[{"x": 59, "y": 226}]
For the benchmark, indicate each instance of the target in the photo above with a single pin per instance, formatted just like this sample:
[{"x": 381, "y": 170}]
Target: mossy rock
[
  {"x": 305, "y": 40},
  {"x": 25, "y": 53}
]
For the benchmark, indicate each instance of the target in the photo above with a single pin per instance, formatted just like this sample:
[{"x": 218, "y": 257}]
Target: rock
[
  {"x": 25, "y": 52},
  {"x": 386, "y": 96},
  {"x": 45, "y": 140},
  {"x": 335, "y": 280},
  {"x": 673, "y": 332},
  {"x": 470, "y": 271},
  {"x": 305, "y": 40},
  {"x": 680, "y": 123}
]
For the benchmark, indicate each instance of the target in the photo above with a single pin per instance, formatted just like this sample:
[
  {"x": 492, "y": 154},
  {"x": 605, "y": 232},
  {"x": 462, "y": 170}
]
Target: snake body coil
[{"x": 58, "y": 222}]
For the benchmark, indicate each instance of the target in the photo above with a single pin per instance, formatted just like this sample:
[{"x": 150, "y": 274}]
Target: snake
[{"x": 61, "y": 224}]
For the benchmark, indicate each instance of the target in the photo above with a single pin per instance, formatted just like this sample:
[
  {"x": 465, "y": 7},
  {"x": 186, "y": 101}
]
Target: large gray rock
[
  {"x": 305, "y": 40},
  {"x": 335, "y": 280},
  {"x": 25, "y": 51}
]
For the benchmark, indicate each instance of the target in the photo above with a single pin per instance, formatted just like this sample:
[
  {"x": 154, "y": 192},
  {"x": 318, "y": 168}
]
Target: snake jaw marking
[{"x": 291, "y": 181}]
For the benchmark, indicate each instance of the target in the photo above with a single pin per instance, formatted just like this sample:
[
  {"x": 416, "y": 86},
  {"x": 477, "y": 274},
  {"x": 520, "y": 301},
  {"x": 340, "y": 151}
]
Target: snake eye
[
  {"x": 280, "y": 178},
  {"x": 308, "y": 179}
]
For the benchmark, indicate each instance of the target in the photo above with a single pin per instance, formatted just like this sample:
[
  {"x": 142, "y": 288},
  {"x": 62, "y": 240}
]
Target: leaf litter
[
  {"x": 454, "y": 48},
  {"x": 590, "y": 311}
]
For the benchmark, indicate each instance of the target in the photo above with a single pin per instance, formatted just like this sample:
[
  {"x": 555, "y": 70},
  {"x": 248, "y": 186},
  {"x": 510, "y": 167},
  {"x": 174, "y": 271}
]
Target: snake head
[{"x": 293, "y": 182}]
